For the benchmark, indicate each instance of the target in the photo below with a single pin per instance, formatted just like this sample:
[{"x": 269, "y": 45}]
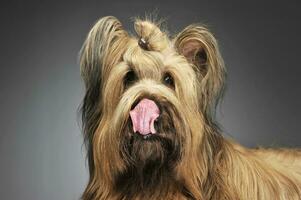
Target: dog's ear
[
  {"x": 102, "y": 49},
  {"x": 200, "y": 48}
]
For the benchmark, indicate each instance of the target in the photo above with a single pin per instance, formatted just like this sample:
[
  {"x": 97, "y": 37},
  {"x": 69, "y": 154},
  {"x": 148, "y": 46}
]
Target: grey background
[{"x": 41, "y": 152}]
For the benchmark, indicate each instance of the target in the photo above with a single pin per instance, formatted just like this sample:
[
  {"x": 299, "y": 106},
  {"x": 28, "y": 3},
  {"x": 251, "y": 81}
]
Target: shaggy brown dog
[{"x": 148, "y": 119}]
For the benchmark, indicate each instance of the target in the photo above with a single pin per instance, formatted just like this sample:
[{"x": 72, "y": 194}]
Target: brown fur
[{"x": 188, "y": 158}]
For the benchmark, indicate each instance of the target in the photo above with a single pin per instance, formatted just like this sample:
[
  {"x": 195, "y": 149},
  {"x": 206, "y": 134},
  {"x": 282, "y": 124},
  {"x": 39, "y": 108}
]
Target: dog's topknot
[{"x": 151, "y": 38}]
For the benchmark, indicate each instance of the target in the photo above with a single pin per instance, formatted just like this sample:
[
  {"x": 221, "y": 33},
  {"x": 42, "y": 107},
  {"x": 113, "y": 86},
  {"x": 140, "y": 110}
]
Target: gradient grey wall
[{"x": 41, "y": 151}]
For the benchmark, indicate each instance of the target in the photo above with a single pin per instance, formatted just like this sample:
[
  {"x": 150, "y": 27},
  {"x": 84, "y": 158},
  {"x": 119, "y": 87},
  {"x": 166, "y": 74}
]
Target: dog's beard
[
  {"x": 160, "y": 148},
  {"x": 150, "y": 160}
]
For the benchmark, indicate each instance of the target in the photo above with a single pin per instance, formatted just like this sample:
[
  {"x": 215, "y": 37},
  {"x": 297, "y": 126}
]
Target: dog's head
[{"x": 148, "y": 99}]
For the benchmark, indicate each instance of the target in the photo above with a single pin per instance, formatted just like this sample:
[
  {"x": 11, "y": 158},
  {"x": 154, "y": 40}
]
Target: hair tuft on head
[{"x": 151, "y": 37}]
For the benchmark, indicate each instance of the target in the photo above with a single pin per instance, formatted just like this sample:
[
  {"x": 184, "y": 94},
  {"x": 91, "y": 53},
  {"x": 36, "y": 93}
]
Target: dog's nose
[{"x": 144, "y": 115}]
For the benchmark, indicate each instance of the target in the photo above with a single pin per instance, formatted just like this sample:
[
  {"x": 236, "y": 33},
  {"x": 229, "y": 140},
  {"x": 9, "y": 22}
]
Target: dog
[{"x": 149, "y": 122}]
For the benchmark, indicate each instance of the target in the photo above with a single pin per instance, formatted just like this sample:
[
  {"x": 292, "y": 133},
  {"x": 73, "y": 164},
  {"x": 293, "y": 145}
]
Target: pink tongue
[{"x": 143, "y": 116}]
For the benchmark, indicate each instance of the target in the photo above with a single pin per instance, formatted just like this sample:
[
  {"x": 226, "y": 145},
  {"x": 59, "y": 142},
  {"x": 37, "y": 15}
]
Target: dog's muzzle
[{"x": 143, "y": 117}]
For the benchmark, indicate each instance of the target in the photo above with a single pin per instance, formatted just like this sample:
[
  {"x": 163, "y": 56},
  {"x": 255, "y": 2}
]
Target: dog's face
[{"x": 148, "y": 100}]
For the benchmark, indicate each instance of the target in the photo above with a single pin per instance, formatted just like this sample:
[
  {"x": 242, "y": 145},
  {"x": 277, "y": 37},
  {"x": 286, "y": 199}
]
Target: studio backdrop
[{"x": 41, "y": 146}]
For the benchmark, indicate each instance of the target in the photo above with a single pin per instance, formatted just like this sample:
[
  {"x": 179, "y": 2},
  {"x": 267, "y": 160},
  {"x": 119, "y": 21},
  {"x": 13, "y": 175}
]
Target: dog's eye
[
  {"x": 129, "y": 78},
  {"x": 168, "y": 80}
]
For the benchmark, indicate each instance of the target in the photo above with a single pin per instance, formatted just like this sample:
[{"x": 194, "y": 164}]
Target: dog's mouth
[
  {"x": 144, "y": 117},
  {"x": 158, "y": 147},
  {"x": 147, "y": 152},
  {"x": 132, "y": 132},
  {"x": 151, "y": 118}
]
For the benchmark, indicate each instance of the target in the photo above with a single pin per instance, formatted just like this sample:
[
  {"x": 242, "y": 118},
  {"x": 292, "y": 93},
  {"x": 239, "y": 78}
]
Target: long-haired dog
[{"x": 149, "y": 125}]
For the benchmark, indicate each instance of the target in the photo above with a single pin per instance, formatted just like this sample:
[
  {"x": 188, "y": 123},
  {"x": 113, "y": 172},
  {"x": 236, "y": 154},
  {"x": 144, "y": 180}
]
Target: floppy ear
[
  {"x": 200, "y": 48},
  {"x": 101, "y": 50}
]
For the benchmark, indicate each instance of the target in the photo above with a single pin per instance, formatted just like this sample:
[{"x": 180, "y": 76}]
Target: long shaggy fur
[{"x": 188, "y": 158}]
